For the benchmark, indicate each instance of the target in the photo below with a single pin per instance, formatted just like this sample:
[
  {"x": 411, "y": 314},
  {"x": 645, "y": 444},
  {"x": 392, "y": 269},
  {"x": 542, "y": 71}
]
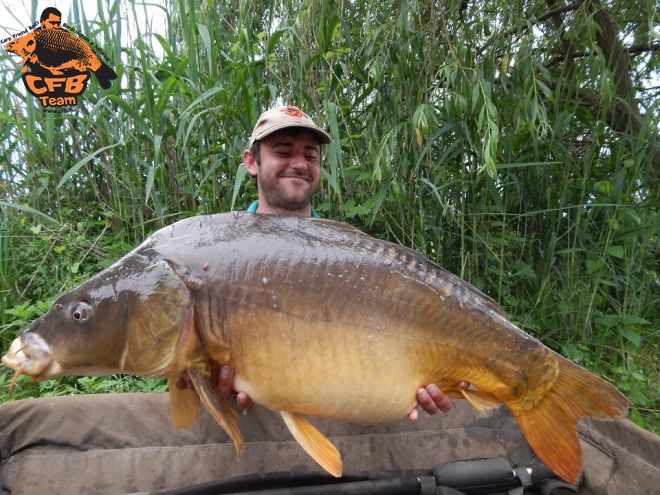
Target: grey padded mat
[{"x": 123, "y": 443}]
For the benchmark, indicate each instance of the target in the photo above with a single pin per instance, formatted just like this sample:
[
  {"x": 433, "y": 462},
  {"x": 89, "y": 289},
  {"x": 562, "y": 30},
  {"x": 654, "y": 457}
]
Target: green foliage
[
  {"x": 516, "y": 146},
  {"x": 24, "y": 388}
]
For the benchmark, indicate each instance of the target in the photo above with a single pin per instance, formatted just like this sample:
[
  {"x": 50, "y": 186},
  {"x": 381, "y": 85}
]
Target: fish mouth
[{"x": 30, "y": 355}]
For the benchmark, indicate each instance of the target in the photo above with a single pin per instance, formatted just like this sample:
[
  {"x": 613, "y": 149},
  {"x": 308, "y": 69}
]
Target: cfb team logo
[{"x": 58, "y": 61}]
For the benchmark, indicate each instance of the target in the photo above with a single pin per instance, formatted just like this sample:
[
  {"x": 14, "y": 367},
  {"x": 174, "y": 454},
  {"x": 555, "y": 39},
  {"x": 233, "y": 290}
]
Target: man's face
[
  {"x": 289, "y": 172},
  {"x": 52, "y": 21}
]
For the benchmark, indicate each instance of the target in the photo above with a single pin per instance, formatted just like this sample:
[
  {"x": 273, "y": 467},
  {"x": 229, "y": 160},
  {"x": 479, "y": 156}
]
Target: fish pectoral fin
[
  {"x": 480, "y": 400},
  {"x": 219, "y": 408},
  {"x": 17, "y": 375},
  {"x": 315, "y": 443},
  {"x": 453, "y": 391},
  {"x": 184, "y": 405}
]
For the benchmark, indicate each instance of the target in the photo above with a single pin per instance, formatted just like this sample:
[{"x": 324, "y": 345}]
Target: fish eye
[{"x": 80, "y": 311}]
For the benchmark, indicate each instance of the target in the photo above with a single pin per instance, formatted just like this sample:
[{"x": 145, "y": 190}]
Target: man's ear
[{"x": 250, "y": 163}]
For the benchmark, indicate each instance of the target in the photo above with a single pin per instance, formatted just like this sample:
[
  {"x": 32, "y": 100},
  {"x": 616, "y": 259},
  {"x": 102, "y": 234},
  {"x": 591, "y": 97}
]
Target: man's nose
[{"x": 298, "y": 160}]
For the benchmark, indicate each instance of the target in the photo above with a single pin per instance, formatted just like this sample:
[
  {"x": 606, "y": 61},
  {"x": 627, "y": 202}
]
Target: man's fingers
[
  {"x": 184, "y": 382},
  {"x": 432, "y": 399},
  {"x": 441, "y": 400},
  {"x": 243, "y": 400},
  {"x": 225, "y": 380},
  {"x": 426, "y": 400}
]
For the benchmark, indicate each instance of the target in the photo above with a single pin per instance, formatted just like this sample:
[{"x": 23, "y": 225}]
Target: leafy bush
[{"x": 516, "y": 146}]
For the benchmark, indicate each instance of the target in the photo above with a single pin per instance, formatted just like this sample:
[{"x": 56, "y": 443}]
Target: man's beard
[{"x": 277, "y": 199}]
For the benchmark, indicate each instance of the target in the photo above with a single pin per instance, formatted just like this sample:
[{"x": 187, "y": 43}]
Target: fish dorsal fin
[
  {"x": 480, "y": 400},
  {"x": 219, "y": 408},
  {"x": 184, "y": 405},
  {"x": 314, "y": 443}
]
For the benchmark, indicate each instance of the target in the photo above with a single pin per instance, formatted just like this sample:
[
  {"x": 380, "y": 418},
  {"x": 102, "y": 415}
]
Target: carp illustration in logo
[
  {"x": 50, "y": 51},
  {"x": 58, "y": 50}
]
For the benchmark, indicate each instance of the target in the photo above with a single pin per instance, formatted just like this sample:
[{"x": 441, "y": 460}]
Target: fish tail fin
[
  {"x": 550, "y": 425},
  {"x": 184, "y": 405},
  {"x": 105, "y": 75}
]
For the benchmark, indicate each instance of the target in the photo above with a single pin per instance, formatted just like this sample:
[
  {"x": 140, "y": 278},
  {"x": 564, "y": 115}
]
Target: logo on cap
[{"x": 292, "y": 111}]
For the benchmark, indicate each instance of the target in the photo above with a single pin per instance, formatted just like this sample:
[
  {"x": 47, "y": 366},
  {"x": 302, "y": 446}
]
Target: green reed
[{"x": 518, "y": 157}]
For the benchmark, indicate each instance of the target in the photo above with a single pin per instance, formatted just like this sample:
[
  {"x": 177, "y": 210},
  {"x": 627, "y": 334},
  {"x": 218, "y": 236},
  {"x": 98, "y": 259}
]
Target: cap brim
[{"x": 324, "y": 137}]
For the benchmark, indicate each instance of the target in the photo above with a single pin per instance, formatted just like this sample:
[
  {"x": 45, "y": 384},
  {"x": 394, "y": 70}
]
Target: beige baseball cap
[{"x": 282, "y": 117}]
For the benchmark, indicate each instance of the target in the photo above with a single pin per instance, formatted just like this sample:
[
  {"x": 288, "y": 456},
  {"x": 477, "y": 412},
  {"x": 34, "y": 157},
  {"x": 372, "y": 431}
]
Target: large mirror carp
[{"x": 316, "y": 318}]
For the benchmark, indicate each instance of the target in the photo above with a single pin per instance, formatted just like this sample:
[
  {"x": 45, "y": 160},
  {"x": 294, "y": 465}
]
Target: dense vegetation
[{"x": 516, "y": 143}]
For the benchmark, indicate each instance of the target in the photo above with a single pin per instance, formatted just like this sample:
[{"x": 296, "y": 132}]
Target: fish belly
[
  {"x": 325, "y": 369},
  {"x": 329, "y": 322}
]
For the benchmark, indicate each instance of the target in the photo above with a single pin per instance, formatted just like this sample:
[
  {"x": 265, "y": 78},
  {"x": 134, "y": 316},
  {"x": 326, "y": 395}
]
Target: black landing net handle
[{"x": 493, "y": 476}]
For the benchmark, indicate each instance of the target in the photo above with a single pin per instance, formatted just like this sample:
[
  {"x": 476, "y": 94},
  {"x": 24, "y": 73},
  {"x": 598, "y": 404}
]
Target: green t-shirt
[{"x": 253, "y": 209}]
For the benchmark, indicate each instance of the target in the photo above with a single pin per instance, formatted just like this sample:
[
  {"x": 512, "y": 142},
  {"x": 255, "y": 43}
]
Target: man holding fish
[
  {"x": 315, "y": 317},
  {"x": 284, "y": 159}
]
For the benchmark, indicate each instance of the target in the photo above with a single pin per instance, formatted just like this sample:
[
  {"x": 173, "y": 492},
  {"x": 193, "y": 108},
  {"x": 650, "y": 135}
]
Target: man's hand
[
  {"x": 222, "y": 379},
  {"x": 224, "y": 385},
  {"x": 431, "y": 398}
]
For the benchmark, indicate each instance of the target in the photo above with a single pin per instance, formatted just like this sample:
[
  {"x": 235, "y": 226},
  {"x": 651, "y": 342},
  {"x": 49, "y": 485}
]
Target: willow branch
[
  {"x": 537, "y": 20},
  {"x": 631, "y": 50}
]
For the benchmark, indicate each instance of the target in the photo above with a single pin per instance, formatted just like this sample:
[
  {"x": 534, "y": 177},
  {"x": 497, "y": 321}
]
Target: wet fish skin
[
  {"x": 318, "y": 267},
  {"x": 316, "y": 318}
]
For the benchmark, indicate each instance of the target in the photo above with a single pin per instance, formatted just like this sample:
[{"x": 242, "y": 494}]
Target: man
[
  {"x": 50, "y": 18},
  {"x": 284, "y": 158}
]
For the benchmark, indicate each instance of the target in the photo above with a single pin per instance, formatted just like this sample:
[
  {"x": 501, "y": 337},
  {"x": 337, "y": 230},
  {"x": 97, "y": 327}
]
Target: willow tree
[{"x": 516, "y": 143}]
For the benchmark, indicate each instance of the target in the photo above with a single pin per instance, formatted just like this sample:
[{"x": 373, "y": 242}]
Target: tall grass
[{"x": 479, "y": 135}]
